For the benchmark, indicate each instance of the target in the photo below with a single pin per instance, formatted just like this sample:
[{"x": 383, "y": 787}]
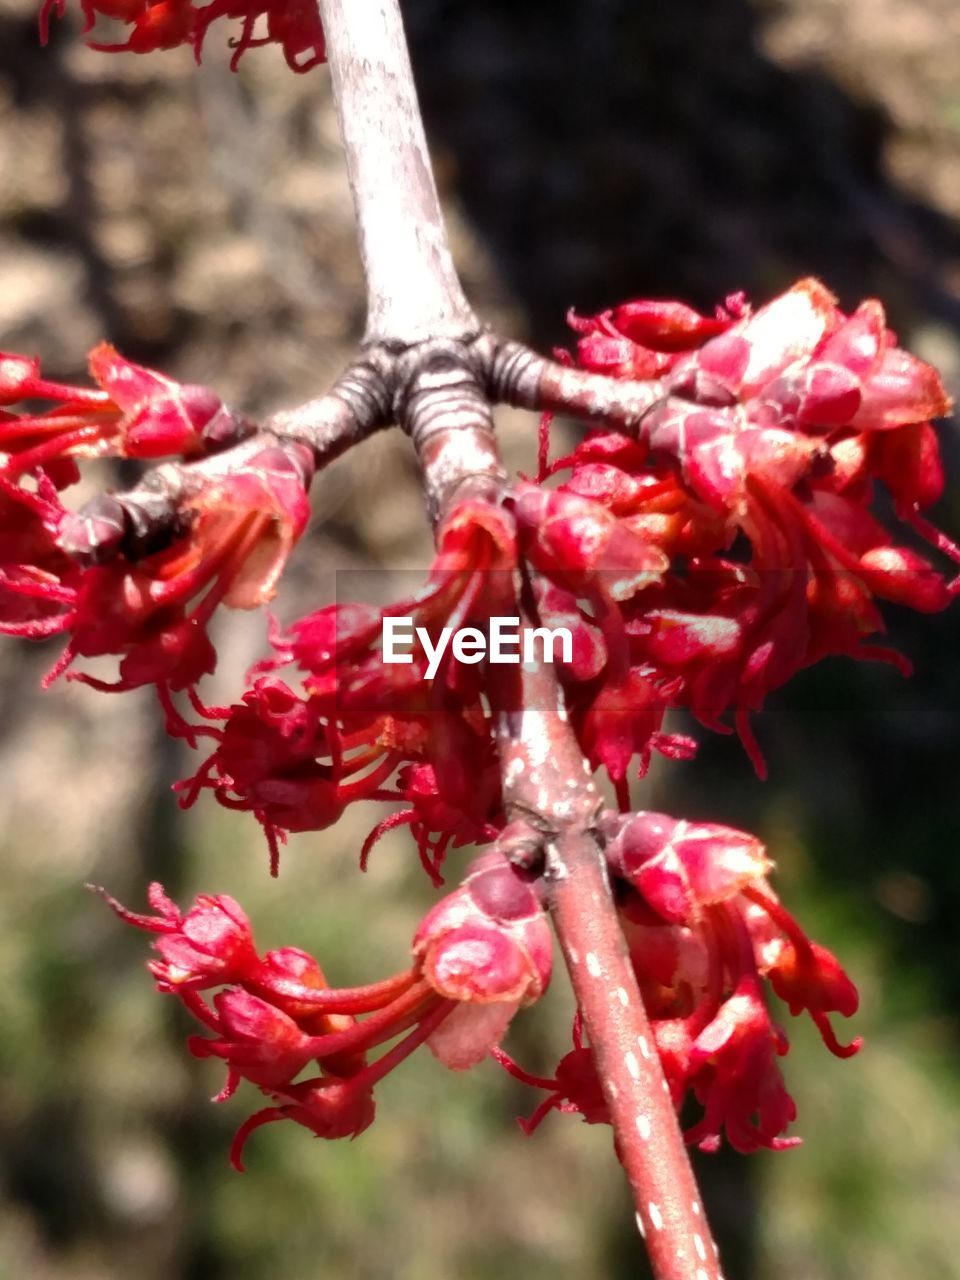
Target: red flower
[
  {"x": 244, "y": 525},
  {"x": 733, "y": 1073},
  {"x": 774, "y": 428},
  {"x": 434, "y": 809},
  {"x": 645, "y": 339},
  {"x": 488, "y": 946},
  {"x": 700, "y": 564},
  {"x": 296, "y": 761},
  {"x": 481, "y": 953},
  {"x": 37, "y": 579},
  {"x": 330, "y": 1107},
  {"x": 136, "y": 413},
  {"x": 210, "y": 944},
  {"x": 241, "y": 522},
  {"x": 575, "y": 1088},
  {"x": 580, "y": 546},
  {"x": 277, "y": 759},
  {"x": 704, "y": 929},
  {"x": 167, "y": 24}
]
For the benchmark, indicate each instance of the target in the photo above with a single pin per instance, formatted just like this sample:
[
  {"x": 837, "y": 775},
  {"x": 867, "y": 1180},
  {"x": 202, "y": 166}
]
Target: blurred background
[{"x": 589, "y": 151}]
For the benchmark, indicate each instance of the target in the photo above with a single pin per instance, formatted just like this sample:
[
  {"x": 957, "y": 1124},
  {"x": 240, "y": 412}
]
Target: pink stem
[{"x": 547, "y": 785}]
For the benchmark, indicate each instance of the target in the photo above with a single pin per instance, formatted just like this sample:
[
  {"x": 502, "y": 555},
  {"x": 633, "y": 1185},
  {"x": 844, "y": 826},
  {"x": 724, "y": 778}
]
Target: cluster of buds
[
  {"x": 294, "y": 25},
  {"x": 296, "y": 759},
  {"x": 699, "y": 560},
  {"x": 149, "y": 607},
  {"x": 478, "y": 955},
  {"x": 700, "y": 554},
  {"x": 704, "y": 929},
  {"x": 773, "y": 431}
]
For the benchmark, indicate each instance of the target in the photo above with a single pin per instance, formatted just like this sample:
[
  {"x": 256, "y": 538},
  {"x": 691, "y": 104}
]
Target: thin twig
[
  {"x": 413, "y": 292},
  {"x": 526, "y": 380}
]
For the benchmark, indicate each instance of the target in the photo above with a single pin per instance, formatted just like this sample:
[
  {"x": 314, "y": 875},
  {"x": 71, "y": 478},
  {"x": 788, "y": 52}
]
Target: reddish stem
[
  {"x": 521, "y": 377},
  {"x": 648, "y": 1138},
  {"x": 547, "y": 785}
]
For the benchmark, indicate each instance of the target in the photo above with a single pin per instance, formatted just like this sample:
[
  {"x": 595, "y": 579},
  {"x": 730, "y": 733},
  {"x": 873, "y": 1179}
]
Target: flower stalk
[{"x": 555, "y": 808}]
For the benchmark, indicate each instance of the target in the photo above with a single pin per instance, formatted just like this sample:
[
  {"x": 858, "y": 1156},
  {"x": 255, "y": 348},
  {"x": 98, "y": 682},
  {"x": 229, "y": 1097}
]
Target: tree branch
[
  {"x": 548, "y": 788},
  {"x": 430, "y": 366},
  {"x": 520, "y": 377},
  {"x": 442, "y": 406},
  {"x": 413, "y": 292},
  {"x": 549, "y": 792}
]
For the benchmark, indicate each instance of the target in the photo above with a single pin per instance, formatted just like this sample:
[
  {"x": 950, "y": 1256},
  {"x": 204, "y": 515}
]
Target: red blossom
[
  {"x": 329, "y": 1107},
  {"x": 486, "y": 945},
  {"x": 277, "y": 759},
  {"x": 37, "y": 579},
  {"x": 210, "y": 944},
  {"x": 733, "y": 1074},
  {"x": 575, "y": 1088},
  {"x": 296, "y": 761},
  {"x": 579, "y": 545},
  {"x": 154, "y": 613},
  {"x": 701, "y": 562},
  {"x": 714, "y": 930},
  {"x": 704, "y": 929},
  {"x": 167, "y": 24},
  {"x": 777, "y": 425},
  {"x": 134, "y": 413},
  {"x": 478, "y": 955},
  {"x": 445, "y": 810}
]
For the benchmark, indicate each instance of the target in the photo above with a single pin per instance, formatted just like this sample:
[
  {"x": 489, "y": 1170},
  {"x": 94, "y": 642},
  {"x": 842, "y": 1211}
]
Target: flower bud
[
  {"x": 487, "y": 945},
  {"x": 489, "y": 940},
  {"x": 680, "y": 867}
]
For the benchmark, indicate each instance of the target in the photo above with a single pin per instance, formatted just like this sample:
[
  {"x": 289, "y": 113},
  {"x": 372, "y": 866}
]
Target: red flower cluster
[
  {"x": 478, "y": 955},
  {"x": 132, "y": 413},
  {"x": 701, "y": 562},
  {"x": 152, "y": 612},
  {"x": 361, "y": 718},
  {"x": 167, "y": 24},
  {"x": 774, "y": 430},
  {"x": 296, "y": 760},
  {"x": 704, "y": 928}
]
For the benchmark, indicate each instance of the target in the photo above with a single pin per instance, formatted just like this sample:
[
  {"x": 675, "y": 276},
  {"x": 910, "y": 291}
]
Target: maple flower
[
  {"x": 278, "y": 759},
  {"x": 153, "y": 613},
  {"x": 454, "y": 797},
  {"x": 37, "y": 578},
  {"x": 471, "y": 577},
  {"x": 239, "y": 526},
  {"x": 296, "y": 760},
  {"x": 574, "y": 1089},
  {"x": 775, "y": 427},
  {"x": 480, "y": 954},
  {"x": 133, "y": 412},
  {"x": 210, "y": 944},
  {"x": 584, "y": 551},
  {"x": 488, "y": 946},
  {"x": 704, "y": 929},
  {"x": 169, "y": 24}
]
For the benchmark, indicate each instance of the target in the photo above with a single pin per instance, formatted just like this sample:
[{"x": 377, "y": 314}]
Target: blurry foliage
[{"x": 590, "y": 150}]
